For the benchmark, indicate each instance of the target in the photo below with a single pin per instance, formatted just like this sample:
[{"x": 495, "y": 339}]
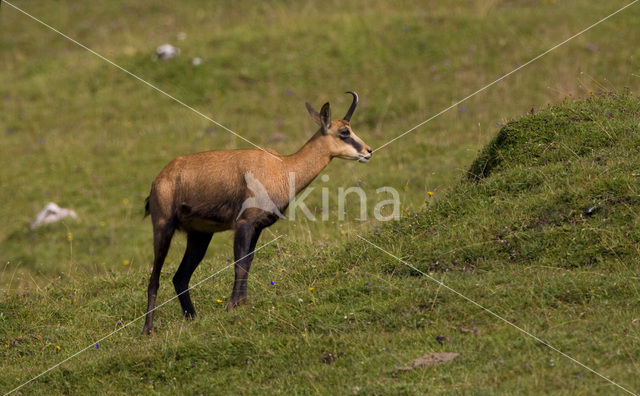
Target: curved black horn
[{"x": 347, "y": 117}]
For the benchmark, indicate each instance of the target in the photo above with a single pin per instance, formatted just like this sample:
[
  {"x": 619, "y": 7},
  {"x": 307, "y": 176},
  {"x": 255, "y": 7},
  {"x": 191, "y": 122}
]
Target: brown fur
[{"x": 203, "y": 193}]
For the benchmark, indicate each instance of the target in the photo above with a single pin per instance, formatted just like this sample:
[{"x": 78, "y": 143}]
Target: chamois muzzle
[
  {"x": 366, "y": 158},
  {"x": 347, "y": 116}
]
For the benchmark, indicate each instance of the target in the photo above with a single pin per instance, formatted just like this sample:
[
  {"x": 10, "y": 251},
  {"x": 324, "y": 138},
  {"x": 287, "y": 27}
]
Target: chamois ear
[
  {"x": 325, "y": 118},
  {"x": 314, "y": 114}
]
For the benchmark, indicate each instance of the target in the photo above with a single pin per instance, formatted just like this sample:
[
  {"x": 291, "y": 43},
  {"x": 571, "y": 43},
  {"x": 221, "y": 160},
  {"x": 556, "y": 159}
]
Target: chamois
[{"x": 214, "y": 191}]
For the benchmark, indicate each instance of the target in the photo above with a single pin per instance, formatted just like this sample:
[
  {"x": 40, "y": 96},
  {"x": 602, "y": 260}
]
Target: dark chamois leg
[
  {"x": 197, "y": 243},
  {"x": 245, "y": 239},
  {"x": 161, "y": 242}
]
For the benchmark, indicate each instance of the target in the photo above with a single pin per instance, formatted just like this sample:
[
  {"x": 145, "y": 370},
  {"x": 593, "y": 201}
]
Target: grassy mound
[
  {"x": 557, "y": 188},
  {"x": 544, "y": 232}
]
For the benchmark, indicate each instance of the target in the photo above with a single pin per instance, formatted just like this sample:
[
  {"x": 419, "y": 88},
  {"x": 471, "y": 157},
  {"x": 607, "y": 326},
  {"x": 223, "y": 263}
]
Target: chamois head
[{"x": 338, "y": 135}]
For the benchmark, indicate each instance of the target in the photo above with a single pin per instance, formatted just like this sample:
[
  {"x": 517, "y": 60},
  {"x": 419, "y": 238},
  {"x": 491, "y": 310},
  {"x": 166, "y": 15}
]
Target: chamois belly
[
  {"x": 203, "y": 218},
  {"x": 203, "y": 225}
]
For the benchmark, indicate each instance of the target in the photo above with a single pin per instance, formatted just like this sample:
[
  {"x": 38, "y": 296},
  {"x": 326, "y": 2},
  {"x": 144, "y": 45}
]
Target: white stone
[
  {"x": 167, "y": 51},
  {"x": 51, "y": 214}
]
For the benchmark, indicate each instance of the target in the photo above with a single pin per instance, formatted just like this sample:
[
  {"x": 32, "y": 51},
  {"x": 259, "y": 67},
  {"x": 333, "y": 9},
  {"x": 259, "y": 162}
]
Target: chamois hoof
[
  {"x": 232, "y": 304},
  {"x": 189, "y": 315},
  {"x": 148, "y": 330}
]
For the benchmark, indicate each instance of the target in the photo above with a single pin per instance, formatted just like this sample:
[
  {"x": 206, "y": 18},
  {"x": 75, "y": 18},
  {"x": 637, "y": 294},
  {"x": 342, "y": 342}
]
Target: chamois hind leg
[
  {"x": 197, "y": 243},
  {"x": 244, "y": 244},
  {"x": 162, "y": 235}
]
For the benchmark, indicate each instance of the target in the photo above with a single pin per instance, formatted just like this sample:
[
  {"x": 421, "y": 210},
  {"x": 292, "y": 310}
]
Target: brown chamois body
[{"x": 209, "y": 192}]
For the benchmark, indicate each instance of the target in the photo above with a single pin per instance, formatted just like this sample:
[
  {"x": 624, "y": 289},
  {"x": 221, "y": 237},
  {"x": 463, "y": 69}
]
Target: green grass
[
  {"x": 540, "y": 226},
  {"x": 81, "y": 133},
  {"x": 518, "y": 240}
]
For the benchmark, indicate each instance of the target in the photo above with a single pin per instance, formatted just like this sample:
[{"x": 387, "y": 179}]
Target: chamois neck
[{"x": 308, "y": 162}]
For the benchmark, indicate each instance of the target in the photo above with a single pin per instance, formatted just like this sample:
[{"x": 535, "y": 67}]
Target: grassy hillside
[
  {"x": 544, "y": 232},
  {"x": 79, "y": 132},
  {"x": 541, "y": 228}
]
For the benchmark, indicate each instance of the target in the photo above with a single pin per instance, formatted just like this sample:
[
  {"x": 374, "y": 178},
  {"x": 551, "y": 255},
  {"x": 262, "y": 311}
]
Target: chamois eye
[{"x": 344, "y": 133}]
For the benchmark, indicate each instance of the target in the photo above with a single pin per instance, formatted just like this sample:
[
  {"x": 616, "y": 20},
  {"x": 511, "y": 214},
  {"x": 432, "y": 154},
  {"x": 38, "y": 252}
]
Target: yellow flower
[
  {"x": 102, "y": 224},
  {"x": 311, "y": 289},
  {"x": 430, "y": 193},
  {"x": 343, "y": 232},
  {"x": 219, "y": 300},
  {"x": 58, "y": 347},
  {"x": 69, "y": 236},
  {"x": 125, "y": 201},
  {"x": 6, "y": 345},
  {"x": 125, "y": 262},
  {"x": 304, "y": 334}
]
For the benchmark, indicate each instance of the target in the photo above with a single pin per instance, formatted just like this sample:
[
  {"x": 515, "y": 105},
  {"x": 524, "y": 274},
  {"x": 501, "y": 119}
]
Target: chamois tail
[{"x": 147, "y": 211}]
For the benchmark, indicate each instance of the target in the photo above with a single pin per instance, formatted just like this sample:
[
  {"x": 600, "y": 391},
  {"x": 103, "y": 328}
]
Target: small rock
[
  {"x": 167, "y": 51},
  {"x": 328, "y": 358},
  {"x": 51, "y": 214},
  {"x": 430, "y": 359},
  {"x": 592, "y": 210}
]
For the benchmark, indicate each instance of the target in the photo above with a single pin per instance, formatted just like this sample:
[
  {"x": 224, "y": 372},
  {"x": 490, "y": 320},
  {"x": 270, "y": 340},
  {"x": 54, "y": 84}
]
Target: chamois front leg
[
  {"x": 244, "y": 244},
  {"x": 197, "y": 243}
]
